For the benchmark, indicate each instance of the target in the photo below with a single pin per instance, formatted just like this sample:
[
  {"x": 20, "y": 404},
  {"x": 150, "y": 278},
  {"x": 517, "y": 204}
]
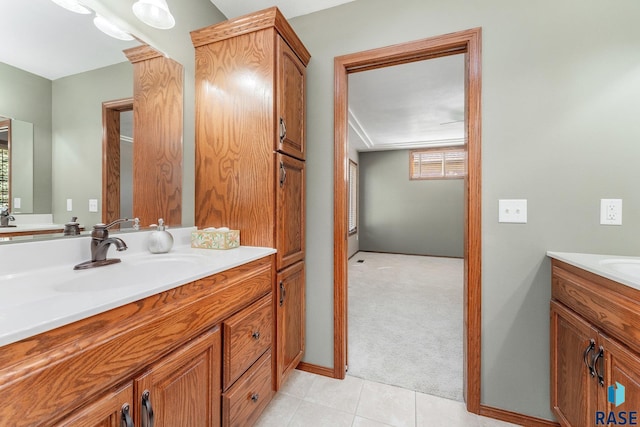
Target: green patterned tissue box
[{"x": 215, "y": 239}]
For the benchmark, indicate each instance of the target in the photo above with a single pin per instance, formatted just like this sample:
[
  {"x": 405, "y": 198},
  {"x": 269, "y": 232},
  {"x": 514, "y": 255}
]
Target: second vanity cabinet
[
  {"x": 595, "y": 345},
  {"x": 250, "y": 153},
  {"x": 162, "y": 355}
]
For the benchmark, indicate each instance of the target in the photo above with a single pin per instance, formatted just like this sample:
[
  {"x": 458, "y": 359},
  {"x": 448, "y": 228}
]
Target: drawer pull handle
[
  {"x": 125, "y": 417},
  {"x": 283, "y": 293},
  {"x": 598, "y": 355},
  {"x": 283, "y": 130},
  {"x": 255, "y": 397},
  {"x": 256, "y": 335},
  {"x": 147, "y": 409},
  {"x": 585, "y": 356}
]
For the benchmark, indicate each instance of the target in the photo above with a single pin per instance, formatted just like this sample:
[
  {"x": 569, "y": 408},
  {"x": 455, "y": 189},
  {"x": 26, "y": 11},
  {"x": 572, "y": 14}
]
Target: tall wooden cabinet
[
  {"x": 250, "y": 152},
  {"x": 595, "y": 345}
]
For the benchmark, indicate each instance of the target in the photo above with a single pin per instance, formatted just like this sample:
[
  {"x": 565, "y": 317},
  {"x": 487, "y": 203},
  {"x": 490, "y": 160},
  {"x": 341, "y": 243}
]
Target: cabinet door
[
  {"x": 573, "y": 388},
  {"x": 291, "y": 320},
  {"x": 290, "y": 102},
  {"x": 111, "y": 410},
  {"x": 183, "y": 389},
  {"x": 290, "y": 211},
  {"x": 621, "y": 367}
]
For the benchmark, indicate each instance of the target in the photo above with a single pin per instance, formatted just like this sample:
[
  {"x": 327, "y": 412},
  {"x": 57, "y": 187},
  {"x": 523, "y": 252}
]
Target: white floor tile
[
  {"x": 363, "y": 422},
  {"x": 298, "y": 384},
  {"x": 313, "y": 415},
  {"x": 279, "y": 411},
  {"x": 342, "y": 395},
  {"x": 436, "y": 411},
  {"x": 387, "y": 404}
]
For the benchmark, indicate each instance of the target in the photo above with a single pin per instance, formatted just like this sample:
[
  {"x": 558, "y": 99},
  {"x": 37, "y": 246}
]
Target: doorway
[
  {"x": 464, "y": 42},
  {"x": 117, "y": 160}
]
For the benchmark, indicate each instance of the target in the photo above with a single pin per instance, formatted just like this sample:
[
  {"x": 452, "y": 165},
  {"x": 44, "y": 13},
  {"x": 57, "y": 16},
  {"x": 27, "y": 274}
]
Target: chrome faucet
[
  {"x": 100, "y": 242},
  {"x": 5, "y": 217}
]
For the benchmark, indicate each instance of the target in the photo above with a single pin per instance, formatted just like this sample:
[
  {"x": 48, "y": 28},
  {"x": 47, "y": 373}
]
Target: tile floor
[{"x": 308, "y": 400}]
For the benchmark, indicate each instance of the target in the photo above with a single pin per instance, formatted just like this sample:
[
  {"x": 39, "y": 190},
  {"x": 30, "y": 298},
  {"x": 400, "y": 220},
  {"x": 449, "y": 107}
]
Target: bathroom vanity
[
  {"x": 595, "y": 337},
  {"x": 188, "y": 343}
]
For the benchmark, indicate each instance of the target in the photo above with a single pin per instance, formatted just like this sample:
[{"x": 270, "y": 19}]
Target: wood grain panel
[
  {"x": 573, "y": 389},
  {"x": 234, "y": 136},
  {"x": 157, "y": 134},
  {"x": 247, "y": 335},
  {"x": 243, "y": 403},
  {"x": 289, "y": 299},
  {"x": 609, "y": 306},
  {"x": 185, "y": 385},
  {"x": 54, "y": 372},
  {"x": 104, "y": 411},
  {"x": 290, "y": 102},
  {"x": 290, "y": 213}
]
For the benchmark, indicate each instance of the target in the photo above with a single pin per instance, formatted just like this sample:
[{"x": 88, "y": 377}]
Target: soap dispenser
[{"x": 160, "y": 240}]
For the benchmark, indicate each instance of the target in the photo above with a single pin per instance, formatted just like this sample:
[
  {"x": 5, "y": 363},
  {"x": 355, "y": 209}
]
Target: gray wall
[
  {"x": 77, "y": 138},
  {"x": 27, "y": 97},
  {"x": 399, "y": 215},
  {"x": 560, "y": 103}
]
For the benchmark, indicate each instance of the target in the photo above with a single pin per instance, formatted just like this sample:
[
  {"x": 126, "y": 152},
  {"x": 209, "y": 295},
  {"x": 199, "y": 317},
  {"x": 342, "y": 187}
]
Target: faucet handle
[{"x": 100, "y": 230}]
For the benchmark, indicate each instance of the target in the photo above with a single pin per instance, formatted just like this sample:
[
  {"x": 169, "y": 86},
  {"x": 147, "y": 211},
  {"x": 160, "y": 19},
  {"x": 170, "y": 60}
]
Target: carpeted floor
[{"x": 405, "y": 322}]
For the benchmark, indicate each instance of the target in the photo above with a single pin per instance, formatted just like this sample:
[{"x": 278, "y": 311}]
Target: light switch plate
[
  {"x": 611, "y": 211},
  {"x": 17, "y": 201},
  {"x": 512, "y": 210},
  {"x": 93, "y": 205},
  {"x": 69, "y": 205}
]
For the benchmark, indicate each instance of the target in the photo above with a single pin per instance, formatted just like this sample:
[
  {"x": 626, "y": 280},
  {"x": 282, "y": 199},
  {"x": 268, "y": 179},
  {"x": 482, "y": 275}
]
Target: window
[
  {"x": 353, "y": 197},
  {"x": 438, "y": 163}
]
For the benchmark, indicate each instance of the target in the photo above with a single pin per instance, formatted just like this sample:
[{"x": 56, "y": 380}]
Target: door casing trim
[{"x": 466, "y": 42}]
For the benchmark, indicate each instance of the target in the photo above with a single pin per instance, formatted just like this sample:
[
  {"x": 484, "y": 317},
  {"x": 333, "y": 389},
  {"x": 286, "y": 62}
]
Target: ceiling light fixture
[
  {"x": 73, "y": 6},
  {"x": 154, "y": 13},
  {"x": 110, "y": 29}
]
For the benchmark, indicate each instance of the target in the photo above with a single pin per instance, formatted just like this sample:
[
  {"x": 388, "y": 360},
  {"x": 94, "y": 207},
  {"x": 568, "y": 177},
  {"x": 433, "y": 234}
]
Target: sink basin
[
  {"x": 628, "y": 267},
  {"x": 132, "y": 272}
]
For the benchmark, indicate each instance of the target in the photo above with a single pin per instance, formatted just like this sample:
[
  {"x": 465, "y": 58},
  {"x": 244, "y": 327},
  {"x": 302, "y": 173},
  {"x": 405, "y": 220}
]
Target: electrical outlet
[
  {"x": 93, "y": 205},
  {"x": 611, "y": 211}
]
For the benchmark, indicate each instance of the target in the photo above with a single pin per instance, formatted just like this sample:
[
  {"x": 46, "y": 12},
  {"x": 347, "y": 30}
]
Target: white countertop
[
  {"x": 31, "y": 227},
  {"x": 36, "y": 300},
  {"x": 603, "y": 265}
]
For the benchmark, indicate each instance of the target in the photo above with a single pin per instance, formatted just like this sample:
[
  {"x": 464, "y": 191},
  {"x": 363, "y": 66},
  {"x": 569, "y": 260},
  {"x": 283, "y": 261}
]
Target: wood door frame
[
  {"x": 469, "y": 43},
  {"x": 111, "y": 156}
]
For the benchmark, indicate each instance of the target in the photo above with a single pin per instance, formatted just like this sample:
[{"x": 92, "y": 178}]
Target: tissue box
[{"x": 215, "y": 239}]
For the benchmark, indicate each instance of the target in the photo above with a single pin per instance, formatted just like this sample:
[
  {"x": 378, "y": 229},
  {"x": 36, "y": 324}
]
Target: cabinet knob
[
  {"x": 256, "y": 335},
  {"x": 255, "y": 397}
]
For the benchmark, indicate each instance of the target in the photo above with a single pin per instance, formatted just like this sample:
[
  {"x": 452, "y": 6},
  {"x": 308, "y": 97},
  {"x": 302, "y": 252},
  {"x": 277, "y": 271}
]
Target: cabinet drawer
[
  {"x": 247, "y": 335},
  {"x": 245, "y": 401}
]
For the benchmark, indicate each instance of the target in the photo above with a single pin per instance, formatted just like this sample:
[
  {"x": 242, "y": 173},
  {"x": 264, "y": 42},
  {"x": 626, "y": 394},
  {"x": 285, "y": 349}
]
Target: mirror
[
  {"x": 16, "y": 165},
  {"x": 65, "y": 110}
]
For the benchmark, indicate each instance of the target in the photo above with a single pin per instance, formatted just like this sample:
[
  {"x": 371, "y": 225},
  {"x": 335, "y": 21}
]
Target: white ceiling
[
  {"x": 395, "y": 107},
  {"x": 43, "y": 38},
  {"x": 408, "y": 106},
  {"x": 289, "y": 8}
]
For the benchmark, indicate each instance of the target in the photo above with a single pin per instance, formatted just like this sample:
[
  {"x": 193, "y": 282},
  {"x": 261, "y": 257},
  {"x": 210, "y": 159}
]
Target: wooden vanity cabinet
[
  {"x": 250, "y": 148},
  {"x": 169, "y": 345},
  {"x": 595, "y": 331},
  {"x": 180, "y": 389}
]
